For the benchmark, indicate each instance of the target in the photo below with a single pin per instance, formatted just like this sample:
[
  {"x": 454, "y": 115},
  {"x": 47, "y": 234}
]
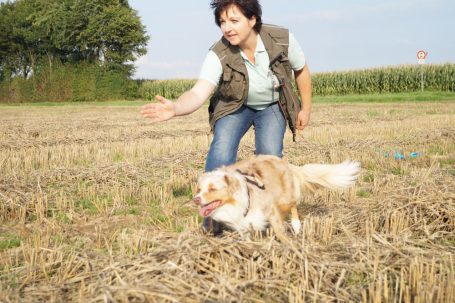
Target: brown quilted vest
[{"x": 233, "y": 85}]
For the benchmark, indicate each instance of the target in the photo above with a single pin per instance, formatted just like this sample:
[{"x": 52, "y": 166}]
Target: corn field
[
  {"x": 380, "y": 80},
  {"x": 170, "y": 89},
  {"x": 95, "y": 207},
  {"x": 386, "y": 80}
]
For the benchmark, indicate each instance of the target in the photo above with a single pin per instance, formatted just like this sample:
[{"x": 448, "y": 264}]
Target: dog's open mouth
[{"x": 207, "y": 209}]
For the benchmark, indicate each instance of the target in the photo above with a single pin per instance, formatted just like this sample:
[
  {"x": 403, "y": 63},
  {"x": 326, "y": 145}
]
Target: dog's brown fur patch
[{"x": 224, "y": 194}]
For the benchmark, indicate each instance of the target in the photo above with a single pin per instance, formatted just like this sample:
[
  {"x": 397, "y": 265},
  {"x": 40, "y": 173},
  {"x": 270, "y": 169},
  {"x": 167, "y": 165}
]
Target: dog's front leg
[
  {"x": 278, "y": 227},
  {"x": 295, "y": 221}
]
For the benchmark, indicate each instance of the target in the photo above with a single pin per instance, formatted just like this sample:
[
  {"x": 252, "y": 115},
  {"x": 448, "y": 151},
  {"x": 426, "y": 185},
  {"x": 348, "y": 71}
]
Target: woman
[{"x": 251, "y": 68}]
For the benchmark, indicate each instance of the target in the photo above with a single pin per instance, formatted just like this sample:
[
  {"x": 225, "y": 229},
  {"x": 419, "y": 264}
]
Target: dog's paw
[{"x": 296, "y": 226}]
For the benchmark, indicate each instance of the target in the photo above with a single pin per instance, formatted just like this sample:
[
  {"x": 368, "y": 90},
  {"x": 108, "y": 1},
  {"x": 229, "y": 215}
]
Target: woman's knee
[
  {"x": 221, "y": 153},
  {"x": 274, "y": 148}
]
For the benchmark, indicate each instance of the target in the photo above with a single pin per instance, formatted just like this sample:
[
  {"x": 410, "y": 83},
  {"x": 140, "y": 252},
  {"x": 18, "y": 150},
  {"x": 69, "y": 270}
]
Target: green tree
[
  {"x": 14, "y": 28},
  {"x": 108, "y": 33},
  {"x": 117, "y": 42}
]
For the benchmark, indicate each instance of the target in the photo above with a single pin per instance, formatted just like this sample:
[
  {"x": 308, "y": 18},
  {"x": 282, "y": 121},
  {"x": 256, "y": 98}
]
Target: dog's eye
[{"x": 212, "y": 189}]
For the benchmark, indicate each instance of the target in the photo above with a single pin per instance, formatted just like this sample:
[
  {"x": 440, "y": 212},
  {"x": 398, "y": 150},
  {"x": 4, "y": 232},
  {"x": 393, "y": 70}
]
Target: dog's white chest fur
[
  {"x": 256, "y": 219},
  {"x": 232, "y": 216},
  {"x": 229, "y": 214}
]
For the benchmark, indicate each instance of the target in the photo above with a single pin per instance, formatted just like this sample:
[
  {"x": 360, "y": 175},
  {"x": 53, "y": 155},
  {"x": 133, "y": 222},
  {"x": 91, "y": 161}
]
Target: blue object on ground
[
  {"x": 398, "y": 156},
  {"x": 414, "y": 155}
]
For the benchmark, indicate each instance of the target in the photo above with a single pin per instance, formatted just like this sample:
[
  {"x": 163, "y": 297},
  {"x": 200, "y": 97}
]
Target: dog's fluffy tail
[{"x": 334, "y": 176}]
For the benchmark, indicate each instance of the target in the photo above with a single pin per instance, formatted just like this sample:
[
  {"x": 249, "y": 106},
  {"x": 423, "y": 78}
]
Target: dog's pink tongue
[{"x": 208, "y": 209}]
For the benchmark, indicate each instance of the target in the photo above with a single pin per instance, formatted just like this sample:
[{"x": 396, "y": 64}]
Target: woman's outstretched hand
[{"x": 161, "y": 111}]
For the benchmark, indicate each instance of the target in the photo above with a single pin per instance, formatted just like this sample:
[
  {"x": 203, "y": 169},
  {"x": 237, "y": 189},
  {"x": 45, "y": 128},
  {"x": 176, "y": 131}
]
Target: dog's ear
[
  {"x": 232, "y": 184},
  {"x": 253, "y": 176},
  {"x": 254, "y": 179}
]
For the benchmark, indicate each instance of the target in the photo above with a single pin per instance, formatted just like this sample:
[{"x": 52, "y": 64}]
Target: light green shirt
[{"x": 262, "y": 83}]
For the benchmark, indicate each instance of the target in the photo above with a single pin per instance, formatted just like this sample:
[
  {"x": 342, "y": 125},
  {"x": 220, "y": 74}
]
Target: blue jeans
[{"x": 269, "y": 125}]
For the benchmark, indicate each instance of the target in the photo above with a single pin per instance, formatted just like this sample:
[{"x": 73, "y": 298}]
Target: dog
[{"x": 263, "y": 190}]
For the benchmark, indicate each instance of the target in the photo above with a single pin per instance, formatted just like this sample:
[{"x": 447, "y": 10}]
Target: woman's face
[{"x": 235, "y": 26}]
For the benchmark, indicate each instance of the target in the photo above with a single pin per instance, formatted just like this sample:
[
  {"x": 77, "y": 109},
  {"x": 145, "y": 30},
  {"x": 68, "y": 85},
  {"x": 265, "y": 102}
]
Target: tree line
[{"x": 46, "y": 39}]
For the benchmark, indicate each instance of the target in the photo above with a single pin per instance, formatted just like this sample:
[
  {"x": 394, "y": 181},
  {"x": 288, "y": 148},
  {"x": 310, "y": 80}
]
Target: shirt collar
[{"x": 260, "y": 47}]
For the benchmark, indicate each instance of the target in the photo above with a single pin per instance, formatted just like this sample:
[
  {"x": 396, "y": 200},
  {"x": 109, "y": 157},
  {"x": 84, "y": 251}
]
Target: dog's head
[{"x": 217, "y": 190}]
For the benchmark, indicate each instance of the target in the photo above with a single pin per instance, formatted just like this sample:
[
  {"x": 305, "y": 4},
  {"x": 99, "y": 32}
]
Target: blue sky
[{"x": 335, "y": 35}]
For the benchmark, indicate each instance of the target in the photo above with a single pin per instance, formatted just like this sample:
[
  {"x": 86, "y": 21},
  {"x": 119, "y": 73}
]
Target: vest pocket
[{"x": 231, "y": 86}]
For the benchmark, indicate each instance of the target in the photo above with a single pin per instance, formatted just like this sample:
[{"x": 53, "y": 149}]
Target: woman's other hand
[{"x": 303, "y": 119}]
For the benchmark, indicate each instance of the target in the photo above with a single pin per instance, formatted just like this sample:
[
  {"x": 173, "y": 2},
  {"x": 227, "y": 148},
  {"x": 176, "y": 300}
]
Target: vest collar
[
  {"x": 272, "y": 49},
  {"x": 265, "y": 43},
  {"x": 232, "y": 57}
]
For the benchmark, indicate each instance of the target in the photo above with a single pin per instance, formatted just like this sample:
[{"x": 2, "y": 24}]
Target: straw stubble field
[{"x": 93, "y": 209}]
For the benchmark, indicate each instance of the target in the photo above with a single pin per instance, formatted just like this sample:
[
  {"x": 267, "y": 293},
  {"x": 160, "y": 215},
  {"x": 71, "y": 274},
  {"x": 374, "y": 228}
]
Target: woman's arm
[
  {"x": 303, "y": 81},
  {"x": 187, "y": 103}
]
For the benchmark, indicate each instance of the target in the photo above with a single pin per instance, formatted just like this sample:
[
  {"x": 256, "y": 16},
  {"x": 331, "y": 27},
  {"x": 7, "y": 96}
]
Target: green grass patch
[
  {"x": 58, "y": 215},
  {"x": 156, "y": 213},
  {"x": 182, "y": 191},
  {"x": 368, "y": 178},
  {"x": 436, "y": 150},
  {"x": 363, "y": 193},
  {"x": 87, "y": 205},
  {"x": 397, "y": 170},
  {"x": 8, "y": 241},
  {"x": 135, "y": 103},
  {"x": 424, "y": 96},
  {"x": 131, "y": 200},
  {"x": 447, "y": 162},
  {"x": 356, "y": 279},
  {"x": 372, "y": 113},
  {"x": 134, "y": 211},
  {"x": 118, "y": 157}
]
